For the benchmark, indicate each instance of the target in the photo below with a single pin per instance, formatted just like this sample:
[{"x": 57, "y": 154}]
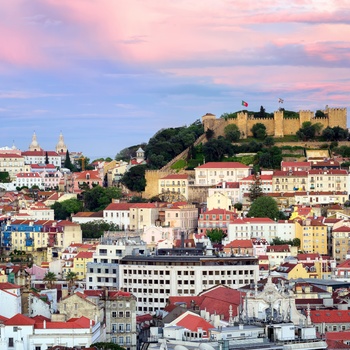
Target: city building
[
  {"x": 152, "y": 279},
  {"x": 212, "y": 173}
]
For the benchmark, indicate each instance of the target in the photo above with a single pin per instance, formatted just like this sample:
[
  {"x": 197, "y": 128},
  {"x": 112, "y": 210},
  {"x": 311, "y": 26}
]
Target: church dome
[
  {"x": 61, "y": 146},
  {"x": 34, "y": 146}
]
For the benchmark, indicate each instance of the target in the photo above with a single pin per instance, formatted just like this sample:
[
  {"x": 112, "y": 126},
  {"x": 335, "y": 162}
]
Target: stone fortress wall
[{"x": 276, "y": 126}]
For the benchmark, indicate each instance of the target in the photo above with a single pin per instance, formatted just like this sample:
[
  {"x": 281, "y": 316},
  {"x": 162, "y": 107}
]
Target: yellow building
[
  {"x": 13, "y": 163},
  {"x": 80, "y": 262},
  {"x": 143, "y": 215},
  {"x": 176, "y": 184},
  {"x": 44, "y": 239},
  {"x": 313, "y": 236},
  {"x": 292, "y": 271},
  {"x": 340, "y": 242}
]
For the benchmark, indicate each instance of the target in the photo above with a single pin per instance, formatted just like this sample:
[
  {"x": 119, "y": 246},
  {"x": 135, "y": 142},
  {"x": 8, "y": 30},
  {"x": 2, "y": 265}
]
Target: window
[
  {"x": 121, "y": 314},
  {"x": 11, "y": 343},
  {"x": 114, "y": 314},
  {"x": 121, "y": 327},
  {"x": 121, "y": 341}
]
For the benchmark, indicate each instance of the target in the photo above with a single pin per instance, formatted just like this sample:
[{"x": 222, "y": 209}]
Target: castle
[{"x": 278, "y": 125}]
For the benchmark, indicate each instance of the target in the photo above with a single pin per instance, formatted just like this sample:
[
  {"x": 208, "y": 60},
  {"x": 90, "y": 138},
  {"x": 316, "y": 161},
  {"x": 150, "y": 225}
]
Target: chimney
[
  {"x": 44, "y": 324},
  {"x": 182, "y": 239}
]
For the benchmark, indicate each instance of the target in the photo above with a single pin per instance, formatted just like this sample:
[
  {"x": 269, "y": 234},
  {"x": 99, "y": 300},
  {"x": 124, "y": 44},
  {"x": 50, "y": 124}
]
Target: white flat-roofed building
[
  {"x": 212, "y": 173},
  {"x": 118, "y": 214},
  {"x": 104, "y": 270},
  {"x": 39, "y": 157},
  {"x": 29, "y": 180},
  {"x": 152, "y": 279},
  {"x": 246, "y": 228}
]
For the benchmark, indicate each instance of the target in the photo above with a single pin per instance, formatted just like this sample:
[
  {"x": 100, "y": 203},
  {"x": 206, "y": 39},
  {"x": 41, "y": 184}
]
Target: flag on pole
[
  {"x": 280, "y": 100},
  {"x": 245, "y": 104}
]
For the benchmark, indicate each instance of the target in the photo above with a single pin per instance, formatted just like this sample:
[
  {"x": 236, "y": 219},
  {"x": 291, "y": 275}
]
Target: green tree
[
  {"x": 215, "y": 149},
  {"x": 216, "y": 235},
  {"x": 269, "y": 158},
  {"x": 209, "y": 134},
  {"x": 328, "y": 134},
  {"x": 264, "y": 207},
  {"x": 296, "y": 242},
  {"x": 135, "y": 179},
  {"x": 67, "y": 162},
  {"x": 308, "y": 131},
  {"x": 95, "y": 229},
  {"x": 259, "y": 131},
  {"x": 238, "y": 206},
  {"x": 71, "y": 278},
  {"x": 232, "y": 132},
  {"x": 50, "y": 278},
  {"x": 269, "y": 141},
  {"x": 64, "y": 209},
  {"x": 98, "y": 198},
  {"x": 106, "y": 346}
]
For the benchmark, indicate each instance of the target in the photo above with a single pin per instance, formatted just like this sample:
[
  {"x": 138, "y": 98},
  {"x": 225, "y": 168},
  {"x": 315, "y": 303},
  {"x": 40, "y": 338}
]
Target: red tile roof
[
  {"x": 240, "y": 243},
  {"x": 8, "y": 285},
  {"x": 193, "y": 322},
  {"x": 175, "y": 177},
  {"x": 223, "y": 165},
  {"x": 84, "y": 255},
  {"x": 19, "y": 320},
  {"x": 119, "y": 206},
  {"x": 330, "y": 316}
]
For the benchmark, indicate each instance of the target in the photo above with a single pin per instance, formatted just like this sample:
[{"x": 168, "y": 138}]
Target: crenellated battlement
[{"x": 277, "y": 125}]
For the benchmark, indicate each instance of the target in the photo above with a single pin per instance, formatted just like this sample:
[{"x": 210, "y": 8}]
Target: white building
[
  {"x": 246, "y": 228},
  {"x": 118, "y": 214},
  {"x": 212, "y": 173},
  {"x": 29, "y": 180},
  {"x": 39, "y": 157},
  {"x": 22, "y": 332},
  {"x": 104, "y": 270},
  {"x": 224, "y": 196},
  {"x": 152, "y": 279},
  {"x": 10, "y": 299}
]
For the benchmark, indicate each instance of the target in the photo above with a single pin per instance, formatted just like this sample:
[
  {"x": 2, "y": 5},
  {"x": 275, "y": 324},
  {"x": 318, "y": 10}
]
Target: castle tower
[
  {"x": 61, "y": 146},
  {"x": 34, "y": 146},
  {"x": 208, "y": 121},
  {"x": 140, "y": 155},
  {"x": 336, "y": 117},
  {"x": 242, "y": 123},
  {"x": 278, "y": 117},
  {"x": 305, "y": 116}
]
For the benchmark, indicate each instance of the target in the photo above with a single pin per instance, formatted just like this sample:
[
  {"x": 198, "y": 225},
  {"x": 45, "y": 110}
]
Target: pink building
[{"x": 88, "y": 178}]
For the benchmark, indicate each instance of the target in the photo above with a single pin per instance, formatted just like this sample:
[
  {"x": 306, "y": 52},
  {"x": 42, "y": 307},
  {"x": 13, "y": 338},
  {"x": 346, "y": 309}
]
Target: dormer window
[{"x": 88, "y": 176}]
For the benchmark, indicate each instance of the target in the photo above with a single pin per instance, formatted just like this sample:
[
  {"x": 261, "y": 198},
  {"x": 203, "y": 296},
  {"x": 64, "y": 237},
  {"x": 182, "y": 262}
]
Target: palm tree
[
  {"x": 71, "y": 277},
  {"x": 50, "y": 278}
]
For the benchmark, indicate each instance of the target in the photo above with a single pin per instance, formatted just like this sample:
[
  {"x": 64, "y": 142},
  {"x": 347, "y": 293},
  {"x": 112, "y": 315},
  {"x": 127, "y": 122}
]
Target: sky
[{"x": 109, "y": 74}]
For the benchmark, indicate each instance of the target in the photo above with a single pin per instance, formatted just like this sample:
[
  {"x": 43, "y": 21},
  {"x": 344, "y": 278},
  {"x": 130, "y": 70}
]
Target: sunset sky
[{"x": 110, "y": 73}]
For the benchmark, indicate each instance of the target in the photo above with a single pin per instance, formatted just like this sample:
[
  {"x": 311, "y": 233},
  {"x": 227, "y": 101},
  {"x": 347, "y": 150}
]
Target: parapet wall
[{"x": 278, "y": 126}]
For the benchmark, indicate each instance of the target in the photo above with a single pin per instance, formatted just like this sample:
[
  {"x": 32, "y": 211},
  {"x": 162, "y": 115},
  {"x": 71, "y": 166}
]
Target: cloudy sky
[{"x": 110, "y": 73}]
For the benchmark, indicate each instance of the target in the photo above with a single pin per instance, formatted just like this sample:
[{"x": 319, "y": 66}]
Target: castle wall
[
  {"x": 269, "y": 124},
  {"x": 277, "y": 126},
  {"x": 337, "y": 117},
  {"x": 152, "y": 177},
  {"x": 290, "y": 126}
]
